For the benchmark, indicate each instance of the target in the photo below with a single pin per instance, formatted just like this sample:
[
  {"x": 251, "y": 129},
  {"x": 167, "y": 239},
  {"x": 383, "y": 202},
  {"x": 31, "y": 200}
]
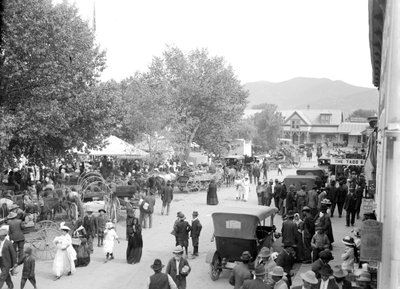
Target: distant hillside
[{"x": 315, "y": 92}]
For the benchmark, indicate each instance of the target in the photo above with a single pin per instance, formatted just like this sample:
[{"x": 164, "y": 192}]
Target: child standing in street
[
  {"x": 109, "y": 240},
  {"x": 28, "y": 270},
  {"x": 101, "y": 226},
  {"x": 319, "y": 243}
]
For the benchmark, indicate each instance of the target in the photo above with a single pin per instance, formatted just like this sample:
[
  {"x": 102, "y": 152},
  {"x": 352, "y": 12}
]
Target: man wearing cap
[
  {"x": 258, "y": 282},
  {"x": 241, "y": 271},
  {"x": 195, "y": 233},
  {"x": 159, "y": 280},
  {"x": 90, "y": 225},
  {"x": 8, "y": 259},
  {"x": 178, "y": 268},
  {"x": 277, "y": 194},
  {"x": 309, "y": 281},
  {"x": 326, "y": 282},
  {"x": 16, "y": 235},
  {"x": 324, "y": 258}
]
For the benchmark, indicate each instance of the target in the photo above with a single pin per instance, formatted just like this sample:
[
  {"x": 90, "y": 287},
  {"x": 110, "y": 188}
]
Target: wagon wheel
[
  {"x": 297, "y": 164},
  {"x": 42, "y": 245},
  {"x": 46, "y": 224},
  {"x": 215, "y": 267}
]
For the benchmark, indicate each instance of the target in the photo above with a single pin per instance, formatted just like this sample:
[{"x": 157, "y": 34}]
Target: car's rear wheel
[{"x": 215, "y": 268}]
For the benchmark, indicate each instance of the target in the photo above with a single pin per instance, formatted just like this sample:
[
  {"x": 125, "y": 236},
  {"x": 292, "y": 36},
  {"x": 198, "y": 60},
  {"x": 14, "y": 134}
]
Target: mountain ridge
[{"x": 317, "y": 93}]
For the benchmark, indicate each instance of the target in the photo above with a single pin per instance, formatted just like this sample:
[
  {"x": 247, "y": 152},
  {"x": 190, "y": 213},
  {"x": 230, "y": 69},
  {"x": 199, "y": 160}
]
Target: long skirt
[
  {"x": 134, "y": 250},
  {"x": 212, "y": 198},
  {"x": 64, "y": 261}
]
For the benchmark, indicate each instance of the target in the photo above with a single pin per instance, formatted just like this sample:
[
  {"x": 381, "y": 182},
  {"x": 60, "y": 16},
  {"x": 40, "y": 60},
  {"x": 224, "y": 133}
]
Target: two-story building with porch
[{"x": 312, "y": 125}]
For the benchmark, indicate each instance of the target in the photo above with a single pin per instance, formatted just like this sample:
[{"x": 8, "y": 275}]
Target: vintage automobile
[
  {"x": 319, "y": 172},
  {"x": 298, "y": 181},
  {"x": 239, "y": 229}
]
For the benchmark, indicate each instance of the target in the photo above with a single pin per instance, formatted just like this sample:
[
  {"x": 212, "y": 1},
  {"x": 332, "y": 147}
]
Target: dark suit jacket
[
  {"x": 178, "y": 277},
  {"x": 9, "y": 255},
  {"x": 289, "y": 232},
  {"x": 346, "y": 284},
  {"x": 196, "y": 229},
  {"x": 15, "y": 230},
  {"x": 331, "y": 284}
]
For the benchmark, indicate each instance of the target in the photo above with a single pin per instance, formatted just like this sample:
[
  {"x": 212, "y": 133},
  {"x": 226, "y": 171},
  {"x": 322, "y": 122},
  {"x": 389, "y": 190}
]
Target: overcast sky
[{"x": 272, "y": 40}]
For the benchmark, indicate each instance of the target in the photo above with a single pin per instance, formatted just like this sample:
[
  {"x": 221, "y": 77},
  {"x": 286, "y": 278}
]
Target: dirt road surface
[{"x": 159, "y": 243}]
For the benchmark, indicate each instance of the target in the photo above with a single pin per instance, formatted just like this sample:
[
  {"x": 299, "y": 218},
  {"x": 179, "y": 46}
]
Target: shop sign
[
  {"x": 371, "y": 241},
  {"x": 347, "y": 162},
  {"x": 368, "y": 206}
]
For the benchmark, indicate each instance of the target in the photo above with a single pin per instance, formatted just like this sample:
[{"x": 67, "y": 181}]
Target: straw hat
[
  {"x": 264, "y": 252},
  {"x": 339, "y": 273},
  {"x": 348, "y": 241},
  {"x": 278, "y": 271},
  {"x": 178, "y": 250},
  {"x": 309, "y": 277},
  {"x": 12, "y": 215}
]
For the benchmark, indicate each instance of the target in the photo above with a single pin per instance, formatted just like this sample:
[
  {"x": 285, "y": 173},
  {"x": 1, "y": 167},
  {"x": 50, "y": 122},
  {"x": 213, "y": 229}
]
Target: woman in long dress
[
  {"x": 82, "y": 249},
  {"x": 64, "y": 261},
  {"x": 135, "y": 242},
  {"x": 212, "y": 198}
]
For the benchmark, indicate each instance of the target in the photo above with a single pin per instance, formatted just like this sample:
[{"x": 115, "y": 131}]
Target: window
[
  {"x": 296, "y": 124},
  {"x": 325, "y": 118}
]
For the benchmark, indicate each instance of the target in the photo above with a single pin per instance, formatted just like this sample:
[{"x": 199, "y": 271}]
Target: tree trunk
[{"x": 188, "y": 144}]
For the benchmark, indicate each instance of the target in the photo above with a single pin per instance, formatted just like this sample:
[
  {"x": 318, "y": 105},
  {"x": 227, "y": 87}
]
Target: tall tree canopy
[
  {"x": 205, "y": 98},
  {"x": 363, "y": 113},
  {"x": 268, "y": 124},
  {"x": 49, "y": 65}
]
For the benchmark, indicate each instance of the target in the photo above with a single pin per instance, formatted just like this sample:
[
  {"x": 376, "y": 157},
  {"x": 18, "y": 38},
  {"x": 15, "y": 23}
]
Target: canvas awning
[{"x": 118, "y": 148}]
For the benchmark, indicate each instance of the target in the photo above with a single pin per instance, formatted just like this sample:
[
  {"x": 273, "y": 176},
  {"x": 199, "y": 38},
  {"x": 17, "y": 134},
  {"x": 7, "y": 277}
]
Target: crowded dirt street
[{"x": 159, "y": 243}]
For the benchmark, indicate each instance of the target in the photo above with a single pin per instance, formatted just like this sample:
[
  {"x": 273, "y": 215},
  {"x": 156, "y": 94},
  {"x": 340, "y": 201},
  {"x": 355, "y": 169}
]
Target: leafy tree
[
  {"x": 49, "y": 65},
  {"x": 268, "y": 124},
  {"x": 203, "y": 95},
  {"x": 363, "y": 113}
]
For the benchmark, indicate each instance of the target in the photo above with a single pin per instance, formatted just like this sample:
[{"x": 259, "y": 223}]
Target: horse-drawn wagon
[{"x": 198, "y": 182}]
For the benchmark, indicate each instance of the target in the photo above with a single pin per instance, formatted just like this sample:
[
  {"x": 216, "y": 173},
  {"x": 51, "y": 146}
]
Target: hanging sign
[
  {"x": 371, "y": 241},
  {"x": 347, "y": 162}
]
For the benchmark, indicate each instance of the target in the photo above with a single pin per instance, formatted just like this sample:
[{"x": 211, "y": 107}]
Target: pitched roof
[
  {"x": 352, "y": 128},
  {"x": 312, "y": 116}
]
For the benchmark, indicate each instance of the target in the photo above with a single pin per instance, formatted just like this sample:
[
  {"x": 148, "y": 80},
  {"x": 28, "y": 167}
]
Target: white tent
[{"x": 118, "y": 148}]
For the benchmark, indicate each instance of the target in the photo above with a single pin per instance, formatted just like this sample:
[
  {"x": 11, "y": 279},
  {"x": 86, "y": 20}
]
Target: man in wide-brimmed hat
[
  {"x": 178, "y": 268},
  {"x": 309, "y": 280},
  {"x": 181, "y": 230},
  {"x": 325, "y": 281},
  {"x": 258, "y": 282},
  {"x": 159, "y": 279},
  {"x": 277, "y": 275},
  {"x": 264, "y": 258},
  {"x": 15, "y": 231},
  {"x": 241, "y": 271},
  {"x": 340, "y": 277}
]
